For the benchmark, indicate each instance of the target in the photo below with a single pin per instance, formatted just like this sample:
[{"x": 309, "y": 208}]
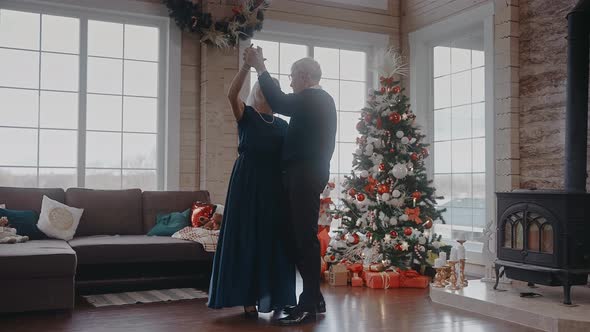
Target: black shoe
[
  {"x": 251, "y": 314},
  {"x": 320, "y": 308},
  {"x": 297, "y": 317}
]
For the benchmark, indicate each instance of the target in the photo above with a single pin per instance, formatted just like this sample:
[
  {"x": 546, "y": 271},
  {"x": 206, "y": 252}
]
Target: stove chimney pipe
[{"x": 577, "y": 97}]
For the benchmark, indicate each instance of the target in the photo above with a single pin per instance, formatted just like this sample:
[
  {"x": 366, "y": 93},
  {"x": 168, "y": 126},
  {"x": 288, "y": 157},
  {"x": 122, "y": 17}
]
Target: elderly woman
[{"x": 250, "y": 267}]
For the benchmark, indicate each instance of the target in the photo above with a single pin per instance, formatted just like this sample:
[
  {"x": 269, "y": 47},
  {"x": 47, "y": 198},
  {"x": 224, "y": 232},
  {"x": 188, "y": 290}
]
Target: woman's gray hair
[
  {"x": 252, "y": 97},
  {"x": 308, "y": 66}
]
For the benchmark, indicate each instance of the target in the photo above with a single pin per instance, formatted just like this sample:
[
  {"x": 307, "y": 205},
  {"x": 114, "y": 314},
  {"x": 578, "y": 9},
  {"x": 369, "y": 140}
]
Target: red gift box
[
  {"x": 388, "y": 279},
  {"x": 412, "y": 279},
  {"x": 356, "y": 281}
]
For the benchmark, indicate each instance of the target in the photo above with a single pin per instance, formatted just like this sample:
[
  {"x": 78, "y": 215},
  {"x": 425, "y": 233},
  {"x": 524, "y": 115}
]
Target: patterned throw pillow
[
  {"x": 58, "y": 220},
  {"x": 201, "y": 213}
]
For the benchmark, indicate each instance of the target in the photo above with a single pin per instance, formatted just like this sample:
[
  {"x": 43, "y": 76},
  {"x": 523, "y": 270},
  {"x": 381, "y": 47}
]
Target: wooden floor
[{"x": 348, "y": 309}]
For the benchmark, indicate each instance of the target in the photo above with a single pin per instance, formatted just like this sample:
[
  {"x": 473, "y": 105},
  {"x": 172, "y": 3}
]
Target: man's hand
[{"x": 254, "y": 58}]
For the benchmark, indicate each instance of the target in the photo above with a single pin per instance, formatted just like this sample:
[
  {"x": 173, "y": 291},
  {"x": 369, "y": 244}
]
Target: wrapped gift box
[
  {"x": 388, "y": 279},
  {"x": 356, "y": 281},
  {"x": 412, "y": 279},
  {"x": 338, "y": 275}
]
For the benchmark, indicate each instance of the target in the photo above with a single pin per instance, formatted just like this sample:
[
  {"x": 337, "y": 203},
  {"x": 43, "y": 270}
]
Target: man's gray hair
[{"x": 308, "y": 66}]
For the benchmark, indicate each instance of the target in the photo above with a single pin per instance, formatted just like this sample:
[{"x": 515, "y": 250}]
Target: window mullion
[
  {"x": 39, "y": 101},
  {"x": 82, "y": 84}
]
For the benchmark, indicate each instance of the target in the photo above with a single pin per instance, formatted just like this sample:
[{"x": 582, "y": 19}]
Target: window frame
[
  {"x": 422, "y": 42},
  {"x": 136, "y": 13}
]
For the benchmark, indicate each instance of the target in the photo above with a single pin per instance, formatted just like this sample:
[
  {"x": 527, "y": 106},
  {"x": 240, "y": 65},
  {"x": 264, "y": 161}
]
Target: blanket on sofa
[
  {"x": 207, "y": 237},
  {"x": 8, "y": 235}
]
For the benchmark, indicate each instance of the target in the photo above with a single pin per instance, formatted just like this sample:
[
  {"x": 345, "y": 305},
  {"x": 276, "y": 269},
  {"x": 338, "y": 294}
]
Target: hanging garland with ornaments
[{"x": 222, "y": 32}]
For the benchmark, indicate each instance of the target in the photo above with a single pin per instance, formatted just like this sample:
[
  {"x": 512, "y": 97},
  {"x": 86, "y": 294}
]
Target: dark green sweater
[{"x": 312, "y": 128}]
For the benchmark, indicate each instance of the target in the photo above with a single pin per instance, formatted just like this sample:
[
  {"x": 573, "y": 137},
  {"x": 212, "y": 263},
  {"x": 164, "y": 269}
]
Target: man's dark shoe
[
  {"x": 320, "y": 308},
  {"x": 297, "y": 317}
]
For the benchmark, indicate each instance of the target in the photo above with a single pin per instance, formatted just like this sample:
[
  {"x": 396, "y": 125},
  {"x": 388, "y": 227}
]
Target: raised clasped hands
[{"x": 253, "y": 57}]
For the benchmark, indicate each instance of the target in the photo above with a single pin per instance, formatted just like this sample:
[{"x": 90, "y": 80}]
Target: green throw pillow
[
  {"x": 168, "y": 224},
  {"x": 25, "y": 223}
]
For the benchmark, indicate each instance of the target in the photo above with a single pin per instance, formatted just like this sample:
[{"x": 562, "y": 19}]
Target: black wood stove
[{"x": 544, "y": 236}]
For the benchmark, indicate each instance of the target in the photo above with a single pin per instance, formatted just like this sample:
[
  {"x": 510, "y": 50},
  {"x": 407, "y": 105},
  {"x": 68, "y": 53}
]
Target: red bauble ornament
[
  {"x": 379, "y": 123},
  {"x": 382, "y": 167},
  {"x": 414, "y": 156},
  {"x": 352, "y": 192},
  {"x": 360, "y": 197},
  {"x": 416, "y": 194},
  {"x": 383, "y": 90},
  {"x": 425, "y": 152},
  {"x": 428, "y": 224},
  {"x": 368, "y": 118},
  {"x": 392, "y": 150},
  {"x": 332, "y": 258},
  {"x": 396, "y": 89},
  {"x": 395, "y": 117},
  {"x": 408, "y": 231},
  {"x": 360, "y": 125},
  {"x": 393, "y": 234},
  {"x": 382, "y": 189},
  {"x": 398, "y": 247}
]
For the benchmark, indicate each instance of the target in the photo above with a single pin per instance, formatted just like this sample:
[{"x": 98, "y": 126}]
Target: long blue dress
[{"x": 250, "y": 265}]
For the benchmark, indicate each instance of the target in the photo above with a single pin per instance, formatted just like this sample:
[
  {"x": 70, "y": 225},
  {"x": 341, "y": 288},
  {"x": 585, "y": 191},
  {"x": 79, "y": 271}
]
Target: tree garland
[{"x": 225, "y": 32}]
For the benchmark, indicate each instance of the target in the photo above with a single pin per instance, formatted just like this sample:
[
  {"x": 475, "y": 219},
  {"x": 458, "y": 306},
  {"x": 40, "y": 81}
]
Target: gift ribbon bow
[{"x": 414, "y": 215}]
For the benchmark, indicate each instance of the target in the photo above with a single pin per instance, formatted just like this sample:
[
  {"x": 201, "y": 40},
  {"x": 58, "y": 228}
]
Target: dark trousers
[{"x": 303, "y": 183}]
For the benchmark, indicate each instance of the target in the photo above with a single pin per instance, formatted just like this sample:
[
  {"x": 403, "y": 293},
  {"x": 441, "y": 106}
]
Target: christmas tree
[{"x": 389, "y": 204}]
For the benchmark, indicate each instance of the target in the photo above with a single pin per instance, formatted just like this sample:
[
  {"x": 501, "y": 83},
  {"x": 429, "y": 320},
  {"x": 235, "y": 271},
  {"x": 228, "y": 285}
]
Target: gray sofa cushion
[
  {"x": 107, "y": 212},
  {"x": 155, "y": 202},
  {"x": 136, "y": 249},
  {"x": 37, "y": 259},
  {"x": 28, "y": 198}
]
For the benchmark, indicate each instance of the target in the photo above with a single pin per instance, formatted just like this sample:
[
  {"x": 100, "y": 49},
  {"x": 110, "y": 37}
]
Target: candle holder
[
  {"x": 439, "y": 278},
  {"x": 462, "y": 281},
  {"x": 453, "y": 277}
]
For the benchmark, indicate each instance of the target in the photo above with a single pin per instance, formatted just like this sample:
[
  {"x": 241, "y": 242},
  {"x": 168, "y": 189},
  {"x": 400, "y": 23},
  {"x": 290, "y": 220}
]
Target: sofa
[{"x": 110, "y": 251}]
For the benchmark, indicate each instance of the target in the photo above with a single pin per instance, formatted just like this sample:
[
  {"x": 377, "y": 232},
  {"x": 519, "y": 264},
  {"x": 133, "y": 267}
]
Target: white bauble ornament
[
  {"x": 397, "y": 202},
  {"x": 387, "y": 238},
  {"x": 358, "y": 152},
  {"x": 385, "y": 197},
  {"x": 403, "y": 217},
  {"x": 422, "y": 240},
  {"x": 399, "y": 134},
  {"x": 436, "y": 244},
  {"x": 364, "y": 174},
  {"x": 399, "y": 171},
  {"x": 405, "y": 140},
  {"x": 368, "y": 153},
  {"x": 413, "y": 140},
  {"x": 396, "y": 193},
  {"x": 393, "y": 221}
]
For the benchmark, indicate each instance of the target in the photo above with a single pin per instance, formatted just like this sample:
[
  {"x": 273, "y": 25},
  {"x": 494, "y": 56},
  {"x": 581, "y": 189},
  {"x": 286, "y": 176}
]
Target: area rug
[{"x": 160, "y": 295}]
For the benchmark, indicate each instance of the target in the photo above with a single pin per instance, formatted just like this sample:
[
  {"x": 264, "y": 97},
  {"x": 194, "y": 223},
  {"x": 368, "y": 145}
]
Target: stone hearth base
[{"x": 546, "y": 313}]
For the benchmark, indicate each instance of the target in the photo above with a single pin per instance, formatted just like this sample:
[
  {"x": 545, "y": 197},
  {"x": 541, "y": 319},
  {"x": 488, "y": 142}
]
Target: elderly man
[{"x": 306, "y": 156}]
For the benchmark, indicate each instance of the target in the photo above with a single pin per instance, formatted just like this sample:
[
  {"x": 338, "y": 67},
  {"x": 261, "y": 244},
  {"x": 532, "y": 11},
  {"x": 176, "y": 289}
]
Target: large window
[
  {"x": 344, "y": 77},
  {"x": 80, "y": 101},
  {"x": 460, "y": 133},
  {"x": 452, "y": 94}
]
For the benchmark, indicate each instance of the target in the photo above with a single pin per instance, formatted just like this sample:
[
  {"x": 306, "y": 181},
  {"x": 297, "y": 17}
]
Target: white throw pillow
[{"x": 58, "y": 220}]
